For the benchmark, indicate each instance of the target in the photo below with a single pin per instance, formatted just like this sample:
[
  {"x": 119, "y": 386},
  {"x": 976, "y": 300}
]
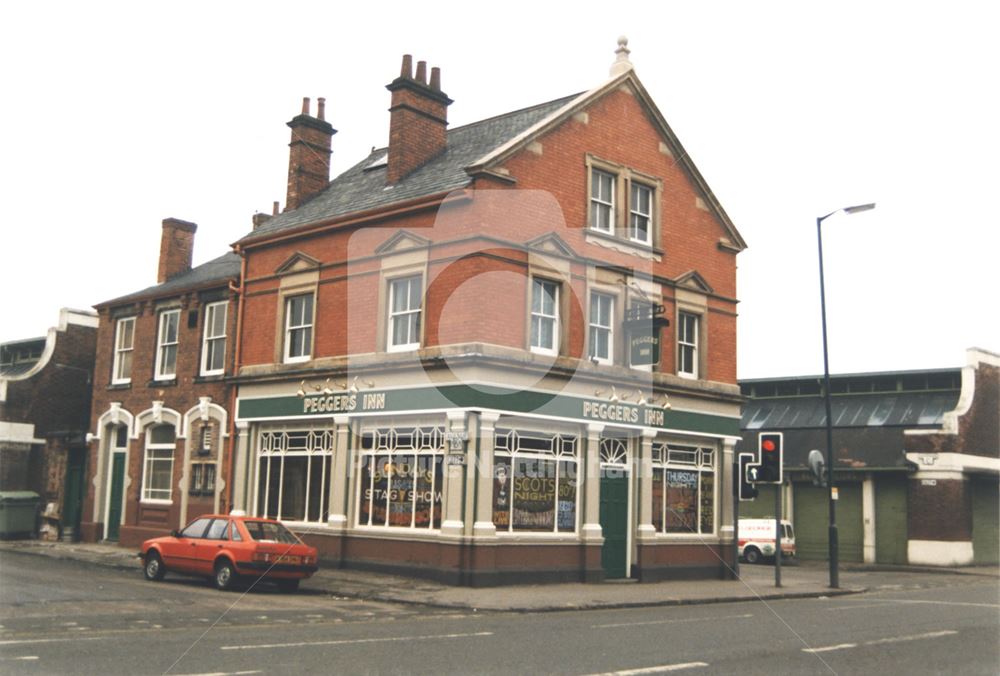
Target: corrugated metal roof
[{"x": 892, "y": 409}]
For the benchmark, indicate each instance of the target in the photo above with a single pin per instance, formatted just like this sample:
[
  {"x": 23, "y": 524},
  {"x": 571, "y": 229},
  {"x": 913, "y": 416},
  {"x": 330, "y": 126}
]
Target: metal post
[
  {"x": 737, "y": 479},
  {"x": 833, "y": 540},
  {"x": 777, "y": 535}
]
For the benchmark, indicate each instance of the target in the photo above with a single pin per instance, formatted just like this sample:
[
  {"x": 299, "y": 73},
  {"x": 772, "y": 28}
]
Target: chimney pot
[
  {"x": 274, "y": 209},
  {"x": 418, "y": 120},
  {"x": 305, "y": 105},
  {"x": 407, "y": 68},
  {"x": 321, "y": 108}
]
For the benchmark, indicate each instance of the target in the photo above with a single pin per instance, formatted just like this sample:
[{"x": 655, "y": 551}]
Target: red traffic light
[{"x": 768, "y": 445}]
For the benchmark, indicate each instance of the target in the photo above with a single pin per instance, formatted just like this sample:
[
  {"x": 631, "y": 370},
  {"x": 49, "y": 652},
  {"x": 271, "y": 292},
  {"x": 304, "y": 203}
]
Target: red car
[{"x": 225, "y": 548}]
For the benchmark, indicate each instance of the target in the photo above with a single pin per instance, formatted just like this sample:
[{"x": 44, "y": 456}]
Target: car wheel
[
  {"x": 288, "y": 586},
  {"x": 153, "y": 567},
  {"x": 752, "y": 555},
  {"x": 225, "y": 576}
]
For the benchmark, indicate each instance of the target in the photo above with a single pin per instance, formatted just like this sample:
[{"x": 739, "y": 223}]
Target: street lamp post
[{"x": 833, "y": 538}]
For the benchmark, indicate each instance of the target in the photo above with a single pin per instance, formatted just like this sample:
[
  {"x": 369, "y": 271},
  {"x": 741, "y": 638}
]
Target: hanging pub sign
[{"x": 642, "y": 326}]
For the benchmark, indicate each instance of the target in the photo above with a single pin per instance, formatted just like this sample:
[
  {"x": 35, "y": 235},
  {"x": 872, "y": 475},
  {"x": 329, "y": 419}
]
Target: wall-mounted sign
[{"x": 642, "y": 326}]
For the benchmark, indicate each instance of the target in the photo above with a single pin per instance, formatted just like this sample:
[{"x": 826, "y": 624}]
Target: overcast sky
[{"x": 117, "y": 115}]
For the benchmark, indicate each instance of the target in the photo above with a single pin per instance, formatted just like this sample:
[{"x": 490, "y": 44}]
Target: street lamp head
[{"x": 859, "y": 208}]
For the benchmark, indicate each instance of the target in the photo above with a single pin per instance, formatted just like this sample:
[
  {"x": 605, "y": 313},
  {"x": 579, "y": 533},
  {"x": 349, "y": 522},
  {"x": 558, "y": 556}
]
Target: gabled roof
[
  {"x": 225, "y": 267},
  {"x": 362, "y": 187}
]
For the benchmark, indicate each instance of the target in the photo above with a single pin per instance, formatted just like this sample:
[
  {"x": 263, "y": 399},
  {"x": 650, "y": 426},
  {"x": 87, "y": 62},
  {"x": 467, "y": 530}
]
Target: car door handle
[{"x": 219, "y": 546}]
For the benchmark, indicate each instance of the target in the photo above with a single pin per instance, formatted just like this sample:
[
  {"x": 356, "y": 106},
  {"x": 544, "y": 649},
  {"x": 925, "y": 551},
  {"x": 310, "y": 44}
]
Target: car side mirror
[{"x": 175, "y": 534}]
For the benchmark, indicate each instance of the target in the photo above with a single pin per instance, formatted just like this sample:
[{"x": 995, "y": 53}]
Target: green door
[
  {"x": 73, "y": 495},
  {"x": 115, "y": 500},
  {"x": 614, "y": 525},
  {"x": 812, "y": 521},
  {"x": 985, "y": 521},
  {"x": 890, "y": 519}
]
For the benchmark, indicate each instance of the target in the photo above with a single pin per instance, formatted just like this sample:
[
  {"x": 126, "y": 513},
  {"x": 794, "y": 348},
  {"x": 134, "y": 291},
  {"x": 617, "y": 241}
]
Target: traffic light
[
  {"x": 769, "y": 453},
  {"x": 746, "y": 490}
]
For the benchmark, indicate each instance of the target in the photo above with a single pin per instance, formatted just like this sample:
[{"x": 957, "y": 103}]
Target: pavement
[{"x": 805, "y": 580}]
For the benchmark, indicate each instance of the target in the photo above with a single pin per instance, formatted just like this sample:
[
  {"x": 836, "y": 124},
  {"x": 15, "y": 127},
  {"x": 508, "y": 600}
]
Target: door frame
[{"x": 109, "y": 472}]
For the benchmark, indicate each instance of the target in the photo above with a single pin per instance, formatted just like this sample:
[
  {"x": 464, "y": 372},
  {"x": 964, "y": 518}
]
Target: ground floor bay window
[
  {"x": 401, "y": 477},
  {"x": 535, "y": 481},
  {"x": 293, "y": 474},
  {"x": 683, "y": 489}
]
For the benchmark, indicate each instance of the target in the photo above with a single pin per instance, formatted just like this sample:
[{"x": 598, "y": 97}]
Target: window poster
[
  {"x": 707, "y": 503},
  {"x": 534, "y": 494},
  {"x": 658, "y": 499},
  {"x": 566, "y": 520},
  {"x": 501, "y": 493},
  {"x": 681, "y": 499}
]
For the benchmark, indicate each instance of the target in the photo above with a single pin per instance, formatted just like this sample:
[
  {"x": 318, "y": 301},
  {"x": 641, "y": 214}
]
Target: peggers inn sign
[
  {"x": 507, "y": 400},
  {"x": 642, "y": 325}
]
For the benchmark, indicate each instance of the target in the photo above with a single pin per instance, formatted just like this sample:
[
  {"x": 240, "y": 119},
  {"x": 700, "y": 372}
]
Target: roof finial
[{"x": 621, "y": 64}]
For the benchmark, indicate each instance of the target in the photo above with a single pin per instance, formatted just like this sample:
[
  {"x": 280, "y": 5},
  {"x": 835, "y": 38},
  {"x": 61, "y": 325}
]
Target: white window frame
[
  {"x": 595, "y": 327},
  {"x": 540, "y": 316},
  {"x": 687, "y": 456},
  {"x": 564, "y": 447},
  {"x": 212, "y": 342},
  {"x": 164, "y": 345},
  {"x": 155, "y": 454},
  {"x": 122, "y": 351},
  {"x": 687, "y": 343},
  {"x": 404, "y": 314},
  {"x": 600, "y": 203},
  {"x": 275, "y": 446},
  {"x": 305, "y": 326},
  {"x": 427, "y": 447},
  {"x": 635, "y": 213}
]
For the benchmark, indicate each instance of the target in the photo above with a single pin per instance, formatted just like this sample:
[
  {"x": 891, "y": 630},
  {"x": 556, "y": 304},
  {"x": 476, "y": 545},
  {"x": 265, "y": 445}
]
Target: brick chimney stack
[
  {"x": 176, "y": 248},
  {"x": 418, "y": 119},
  {"x": 309, "y": 154}
]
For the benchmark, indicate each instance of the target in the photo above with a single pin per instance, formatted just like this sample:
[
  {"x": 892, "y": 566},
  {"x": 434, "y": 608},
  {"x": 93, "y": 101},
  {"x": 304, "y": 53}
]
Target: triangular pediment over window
[
  {"x": 403, "y": 240},
  {"x": 551, "y": 243},
  {"x": 297, "y": 262},
  {"x": 693, "y": 280}
]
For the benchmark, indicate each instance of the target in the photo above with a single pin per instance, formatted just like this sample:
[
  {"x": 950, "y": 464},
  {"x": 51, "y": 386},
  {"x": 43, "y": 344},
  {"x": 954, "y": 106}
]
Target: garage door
[
  {"x": 890, "y": 519},
  {"x": 985, "y": 521},
  {"x": 812, "y": 521}
]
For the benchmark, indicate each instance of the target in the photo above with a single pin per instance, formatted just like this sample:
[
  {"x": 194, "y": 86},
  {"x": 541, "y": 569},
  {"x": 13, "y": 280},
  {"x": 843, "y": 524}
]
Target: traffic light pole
[
  {"x": 777, "y": 535},
  {"x": 736, "y": 518}
]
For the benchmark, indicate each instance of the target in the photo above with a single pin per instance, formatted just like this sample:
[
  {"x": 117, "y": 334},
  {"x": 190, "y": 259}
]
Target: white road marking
[
  {"x": 391, "y": 639},
  {"x": 882, "y": 641},
  {"x": 867, "y": 605},
  {"x": 662, "y": 669},
  {"x": 25, "y": 658},
  {"x": 965, "y": 604},
  {"x": 26, "y": 641},
  {"x": 830, "y": 648},
  {"x": 225, "y": 673},
  {"x": 690, "y": 619}
]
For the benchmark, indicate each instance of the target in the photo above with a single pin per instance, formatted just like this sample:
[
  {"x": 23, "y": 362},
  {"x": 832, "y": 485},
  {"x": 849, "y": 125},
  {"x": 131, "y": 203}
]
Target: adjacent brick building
[
  {"x": 160, "y": 418},
  {"x": 45, "y": 386},
  {"x": 504, "y": 351},
  {"x": 917, "y": 461}
]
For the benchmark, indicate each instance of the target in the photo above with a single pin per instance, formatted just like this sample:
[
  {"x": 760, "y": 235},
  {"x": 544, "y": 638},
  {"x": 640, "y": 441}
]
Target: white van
[{"x": 756, "y": 539}]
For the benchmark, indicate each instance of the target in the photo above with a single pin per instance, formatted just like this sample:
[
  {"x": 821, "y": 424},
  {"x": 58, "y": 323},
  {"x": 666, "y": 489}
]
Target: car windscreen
[{"x": 266, "y": 531}]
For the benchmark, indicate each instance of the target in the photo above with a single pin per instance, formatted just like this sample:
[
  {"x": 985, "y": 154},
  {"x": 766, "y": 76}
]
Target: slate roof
[
  {"x": 362, "y": 187},
  {"x": 226, "y": 266}
]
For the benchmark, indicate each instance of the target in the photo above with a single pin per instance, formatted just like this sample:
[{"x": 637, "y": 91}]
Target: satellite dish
[{"x": 817, "y": 466}]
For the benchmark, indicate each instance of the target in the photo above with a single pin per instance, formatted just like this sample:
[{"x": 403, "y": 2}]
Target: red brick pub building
[{"x": 504, "y": 351}]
